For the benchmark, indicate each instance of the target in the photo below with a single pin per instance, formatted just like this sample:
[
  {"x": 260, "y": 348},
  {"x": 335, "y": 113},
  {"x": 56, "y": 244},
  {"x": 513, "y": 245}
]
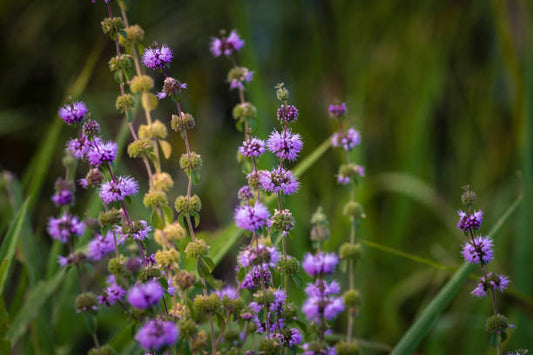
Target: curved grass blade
[{"x": 423, "y": 324}]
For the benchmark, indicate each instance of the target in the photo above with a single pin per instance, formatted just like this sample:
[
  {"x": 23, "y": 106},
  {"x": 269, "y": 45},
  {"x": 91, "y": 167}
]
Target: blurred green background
[{"x": 440, "y": 90}]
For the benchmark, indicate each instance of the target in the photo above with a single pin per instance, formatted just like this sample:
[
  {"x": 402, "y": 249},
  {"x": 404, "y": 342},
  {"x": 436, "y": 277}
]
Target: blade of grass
[
  {"x": 423, "y": 324},
  {"x": 7, "y": 251}
]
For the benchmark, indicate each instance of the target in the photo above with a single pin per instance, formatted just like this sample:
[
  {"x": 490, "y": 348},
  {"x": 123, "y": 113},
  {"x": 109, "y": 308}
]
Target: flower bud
[
  {"x": 68, "y": 159},
  {"x": 349, "y": 251},
  {"x": 141, "y": 83},
  {"x": 115, "y": 266},
  {"x": 91, "y": 128},
  {"x": 244, "y": 110},
  {"x": 112, "y": 25},
  {"x": 162, "y": 181},
  {"x": 140, "y": 148},
  {"x": 134, "y": 35},
  {"x": 124, "y": 102},
  {"x": 282, "y": 93},
  {"x": 183, "y": 122},
  {"x": 196, "y": 249},
  {"x": 236, "y": 73},
  {"x": 119, "y": 63},
  {"x": 354, "y": 209},
  {"x": 166, "y": 258},
  {"x": 102, "y": 350},
  {"x": 148, "y": 273},
  {"x": 344, "y": 348},
  {"x": 86, "y": 302},
  {"x": 94, "y": 177},
  {"x": 188, "y": 205},
  {"x": 155, "y": 198},
  {"x": 468, "y": 197},
  {"x": 352, "y": 298},
  {"x": 282, "y": 220},
  {"x": 319, "y": 222},
  {"x": 207, "y": 304},
  {"x": 172, "y": 86},
  {"x": 497, "y": 324},
  {"x": 190, "y": 162},
  {"x": 110, "y": 217}
]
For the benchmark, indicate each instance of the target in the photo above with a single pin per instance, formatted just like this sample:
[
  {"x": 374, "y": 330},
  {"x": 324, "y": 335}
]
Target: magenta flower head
[
  {"x": 78, "y": 147},
  {"x": 101, "y": 153},
  {"x": 156, "y": 334},
  {"x": 338, "y": 110},
  {"x": 63, "y": 197},
  {"x": 287, "y": 113},
  {"x": 478, "y": 250},
  {"x": 286, "y": 145},
  {"x": 348, "y": 140},
  {"x": 320, "y": 264},
  {"x": 145, "y": 295},
  {"x": 245, "y": 194},
  {"x": 468, "y": 222},
  {"x": 74, "y": 113},
  {"x": 252, "y": 147},
  {"x": 277, "y": 180},
  {"x": 251, "y": 218},
  {"x": 492, "y": 281},
  {"x": 226, "y": 45},
  {"x": 112, "y": 293},
  {"x": 157, "y": 57},
  {"x": 229, "y": 292},
  {"x": 65, "y": 227},
  {"x": 100, "y": 246},
  {"x": 118, "y": 189}
]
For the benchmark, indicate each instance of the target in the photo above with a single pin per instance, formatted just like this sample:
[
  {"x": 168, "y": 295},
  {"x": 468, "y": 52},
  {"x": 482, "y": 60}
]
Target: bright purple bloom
[
  {"x": 171, "y": 289},
  {"x": 63, "y": 260},
  {"x": 287, "y": 113},
  {"x": 321, "y": 263},
  {"x": 469, "y": 222},
  {"x": 117, "y": 190},
  {"x": 314, "y": 289},
  {"x": 156, "y": 334},
  {"x": 321, "y": 303},
  {"x": 137, "y": 230},
  {"x": 112, "y": 293},
  {"x": 337, "y": 110},
  {"x": 100, "y": 246},
  {"x": 245, "y": 193},
  {"x": 251, "y": 217},
  {"x": 145, "y": 295},
  {"x": 277, "y": 180},
  {"x": 295, "y": 338},
  {"x": 63, "y": 197},
  {"x": 348, "y": 140},
  {"x": 285, "y": 145},
  {"x": 65, "y": 227},
  {"x": 74, "y": 113},
  {"x": 252, "y": 147},
  {"x": 100, "y": 152},
  {"x": 480, "y": 249},
  {"x": 157, "y": 57},
  {"x": 333, "y": 307},
  {"x": 258, "y": 275},
  {"x": 78, "y": 147},
  {"x": 258, "y": 255},
  {"x": 226, "y": 45},
  {"x": 228, "y": 291},
  {"x": 492, "y": 281}
]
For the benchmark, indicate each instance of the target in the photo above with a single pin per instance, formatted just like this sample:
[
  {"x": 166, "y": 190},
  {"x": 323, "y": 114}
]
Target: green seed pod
[
  {"x": 264, "y": 297},
  {"x": 349, "y": 251},
  {"x": 208, "y": 304},
  {"x": 196, "y": 249},
  {"x": 148, "y": 273},
  {"x": 155, "y": 198},
  {"x": 115, "y": 266},
  {"x": 497, "y": 324},
  {"x": 86, "y": 302},
  {"x": 354, "y": 209},
  {"x": 140, "y": 148},
  {"x": 188, "y": 205},
  {"x": 134, "y": 35},
  {"x": 289, "y": 266},
  {"x": 190, "y": 162},
  {"x": 171, "y": 232},
  {"x": 344, "y": 348},
  {"x": 112, "y": 25},
  {"x": 149, "y": 101},
  {"x": 269, "y": 346},
  {"x": 141, "y": 83},
  {"x": 244, "y": 111},
  {"x": 124, "y": 102},
  {"x": 120, "y": 63},
  {"x": 187, "y": 328},
  {"x": 103, "y": 350},
  {"x": 162, "y": 181},
  {"x": 166, "y": 258},
  {"x": 183, "y": 122},
  {"x": 110, "y": 217},
  {"x": 352, "y": 298},
  {"x": 283, "y": 221}
]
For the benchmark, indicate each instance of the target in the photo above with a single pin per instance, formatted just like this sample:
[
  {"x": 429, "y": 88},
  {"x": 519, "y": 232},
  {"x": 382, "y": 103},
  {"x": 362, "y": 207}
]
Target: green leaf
[
  {"x": 36, "y": 298},
  {"x": 202, "y": 268},
  {"x": 209, "y": 263},
  {"x": 7, "y": 250},
  {"x": 168, "y": 213},
  {"x": 165, "y": 147},
  {"x": 431, "y": 313},
  {"x": 156, "y": 220}
]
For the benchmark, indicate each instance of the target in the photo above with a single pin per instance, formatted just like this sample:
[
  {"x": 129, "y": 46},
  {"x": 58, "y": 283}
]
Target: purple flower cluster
[
  {"x": 258, "y": 260},
  {"x": 100, "y": 152},
  {"x": 145, "y": 295},
  {"x": 250, "y": 217},
  {"x": 100, "y": 246},
  {"x": 156, "y": 334},
  {"x": 137, "y": 230},
  {"x": 73, "y": 113},
  {"x": 285, "y": 145},
  {"x": 63, "y": 197},
  {"x": 279, "y": 179},
  {"x": 252, "y": 147},
  {"x": 245, "y": 77},
  {"x": 348, "y": 140},
  {"x": 117, "y": 190},
  {"x": 320, "y": 264},
  {"x": 65, "y": 227},
  {"x": 478, "y": 250},
  {"x": 322, "y": 302},
  {"x": 469, "y": 222},
  {"x": 287, "y": 113},
  {"x": 157, "y": 57},
  {"x": 112, "y": 293},
  {"x": 226, "y": 45},
  {"x": 337, "y": 110},
  {"x": 491, "y": 281}
]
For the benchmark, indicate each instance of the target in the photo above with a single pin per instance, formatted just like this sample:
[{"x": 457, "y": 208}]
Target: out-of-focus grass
[{"x": 439, "y": 89}]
